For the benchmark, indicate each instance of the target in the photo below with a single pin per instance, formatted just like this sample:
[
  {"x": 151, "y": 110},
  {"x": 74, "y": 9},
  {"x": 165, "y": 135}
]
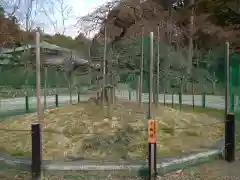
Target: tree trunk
[
  {"x": 138, "y": 88},
  {"x": 214, "y": 87},
  {"x": 102, "y": 96},
  {"x": 190, "y": 47},
  {"x": 70, "y": 91}
]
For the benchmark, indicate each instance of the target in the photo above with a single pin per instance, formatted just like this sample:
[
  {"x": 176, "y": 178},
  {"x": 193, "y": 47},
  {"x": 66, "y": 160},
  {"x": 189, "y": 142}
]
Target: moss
[{"x": 19, "y": 153}]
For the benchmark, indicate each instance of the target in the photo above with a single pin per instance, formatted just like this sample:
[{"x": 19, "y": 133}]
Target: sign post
[
  {"x": 152, "y": 163},
  {"x": 152, "y": 130}
]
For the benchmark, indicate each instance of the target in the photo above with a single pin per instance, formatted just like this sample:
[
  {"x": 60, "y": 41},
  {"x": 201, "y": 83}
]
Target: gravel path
[
  {"x": 11, "y": 104},
  {"x": 216, "y": 170}
]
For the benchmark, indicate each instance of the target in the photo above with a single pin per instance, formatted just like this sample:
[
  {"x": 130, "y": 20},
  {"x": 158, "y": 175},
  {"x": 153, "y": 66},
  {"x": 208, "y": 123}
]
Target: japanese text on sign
[{"x": 152, "y": 128}]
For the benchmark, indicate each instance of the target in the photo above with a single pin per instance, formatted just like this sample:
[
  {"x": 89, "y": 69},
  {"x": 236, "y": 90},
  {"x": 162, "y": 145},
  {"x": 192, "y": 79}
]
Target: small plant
[
  {"x": 19, "y": 153},
  {"x": 169, "y": 130},
  {"x": 191, "y": 133}
]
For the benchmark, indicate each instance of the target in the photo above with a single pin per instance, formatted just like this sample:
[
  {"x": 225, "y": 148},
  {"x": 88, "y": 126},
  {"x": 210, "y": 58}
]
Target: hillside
[
  {"x": 86, "y": 133},
  {"x": 214, "y": 22},
  {"x": 151, "y": 15},
  {"x": 215, "y": 18}
]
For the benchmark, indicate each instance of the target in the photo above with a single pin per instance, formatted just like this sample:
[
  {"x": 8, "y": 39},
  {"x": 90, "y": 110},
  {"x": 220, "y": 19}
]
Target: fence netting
[{"x": 234, "y": 93}]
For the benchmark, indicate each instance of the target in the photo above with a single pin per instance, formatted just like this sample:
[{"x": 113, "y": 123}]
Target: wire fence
[{"x": 118, "y": 130}]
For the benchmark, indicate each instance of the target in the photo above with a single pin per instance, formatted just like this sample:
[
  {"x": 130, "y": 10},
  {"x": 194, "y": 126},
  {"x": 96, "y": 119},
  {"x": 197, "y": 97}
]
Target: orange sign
[{"x": 152, "y": 129}]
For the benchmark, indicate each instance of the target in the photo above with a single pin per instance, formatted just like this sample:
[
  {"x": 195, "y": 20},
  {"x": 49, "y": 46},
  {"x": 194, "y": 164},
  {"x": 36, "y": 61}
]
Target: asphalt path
[
  {"x": 12, "y": 104},
  {"x": 211, "y": 101}
]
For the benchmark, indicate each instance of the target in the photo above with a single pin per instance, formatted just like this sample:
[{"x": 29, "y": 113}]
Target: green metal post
[
  {"x": 164, "y": 97},
  {"x": 26, "y": 103},
  {"x": 231, "y": 89},
  {"x": 203, "y": 96},
  {"x": 203, "y": 99},
  {"x": 237, "y": 112},
  {"x": 56, "y": 100},
  {"x": 78, "y": 94},
  {"x": 180, "y": 100},
  {"x": 193, "y": 97},
  {"x": 232, "y": 102},
  {"x": 130, "y": 95},
  {"x": 172, "y": 99}
]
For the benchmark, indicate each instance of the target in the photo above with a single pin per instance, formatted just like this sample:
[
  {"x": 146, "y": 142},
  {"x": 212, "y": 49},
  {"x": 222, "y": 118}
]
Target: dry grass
[{"x": 123, "y": 136}]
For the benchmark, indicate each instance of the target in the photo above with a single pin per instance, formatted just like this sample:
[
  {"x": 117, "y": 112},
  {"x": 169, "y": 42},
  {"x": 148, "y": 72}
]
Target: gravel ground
[{"x": 217, "y": 170}]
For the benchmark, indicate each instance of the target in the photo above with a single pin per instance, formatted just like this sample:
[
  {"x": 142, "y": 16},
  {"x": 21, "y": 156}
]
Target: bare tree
[
  {"x": 29, "y": 18},
  {"x": 64, "y": 10},
  {"x": 118, "y": 13},
  {"x": 51, "y": 10},
  {"x": 125, "y": 15},
  {"x": 25, "y": 12},
  {"x": 93, "y": 22},
  {"x": 8, "y": 30}
]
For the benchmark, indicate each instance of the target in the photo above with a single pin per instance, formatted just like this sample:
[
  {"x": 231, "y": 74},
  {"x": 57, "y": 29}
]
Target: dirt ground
[
  {"x": 217, "y": 170},
  {"x": 84, "y": 131}
]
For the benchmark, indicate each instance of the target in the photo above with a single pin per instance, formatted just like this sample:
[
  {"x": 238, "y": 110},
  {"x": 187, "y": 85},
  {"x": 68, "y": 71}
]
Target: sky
[
  {"x": 45, "y": 21},
  {"x": 79, "y": 8}
]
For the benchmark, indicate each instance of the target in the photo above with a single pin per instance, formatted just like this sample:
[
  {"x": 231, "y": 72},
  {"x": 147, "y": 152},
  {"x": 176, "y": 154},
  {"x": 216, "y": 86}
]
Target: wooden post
[
  {"x": 36, "y": 128},
  {"x": 38, "y": 76},
  {"x": 227, "y": 79},
  {"x": 191, "y": 29},
  {"x": 104, "y": 66},
  {"x": 141, "y": 69},
  {"x": 230, "y": 139},
  {"x": 158, "y": 64},
  {"x": 36, "y": 152},
  {"x": 45, "y": 86}
]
